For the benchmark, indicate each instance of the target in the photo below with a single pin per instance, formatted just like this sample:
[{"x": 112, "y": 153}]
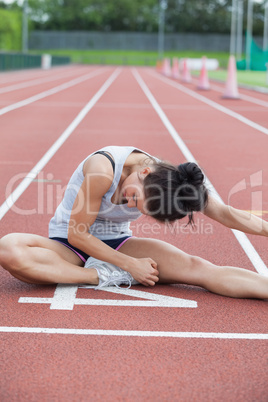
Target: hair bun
[
  {"x": 190, "y": 173},
  {"x": 173, "y": 192}
]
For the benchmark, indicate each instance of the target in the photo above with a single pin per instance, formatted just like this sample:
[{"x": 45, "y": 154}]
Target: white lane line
[
  {"x": 51, "y": 91},
  {"x": 161, "y": 334},
  {"x": 11, "y": 77},
  {"x": 10, "y": 201},
  {"x": 211, "y": 103},
  {"x": 65, "y": 298},
  {"x": 178, "y": 303},
  {"x": 241, "y": 237},
  {"x": 36, "y": 81},
  {"x": 19, "y": 75}
]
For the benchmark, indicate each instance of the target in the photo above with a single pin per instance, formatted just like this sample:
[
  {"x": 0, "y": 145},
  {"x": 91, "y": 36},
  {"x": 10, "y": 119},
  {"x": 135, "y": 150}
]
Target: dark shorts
[{"x": 113, "y": 243}]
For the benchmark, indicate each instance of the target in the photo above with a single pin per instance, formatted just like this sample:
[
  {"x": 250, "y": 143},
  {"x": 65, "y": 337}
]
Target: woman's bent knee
[{"x": 11, "y": 252}]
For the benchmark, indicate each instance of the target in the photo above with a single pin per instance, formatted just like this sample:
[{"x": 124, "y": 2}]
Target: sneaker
[{"x": 109, "y": 274}]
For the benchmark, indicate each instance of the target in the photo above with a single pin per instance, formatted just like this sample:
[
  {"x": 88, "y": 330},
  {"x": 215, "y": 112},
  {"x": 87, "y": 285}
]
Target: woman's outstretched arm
[{"x": 235, "y": 218}]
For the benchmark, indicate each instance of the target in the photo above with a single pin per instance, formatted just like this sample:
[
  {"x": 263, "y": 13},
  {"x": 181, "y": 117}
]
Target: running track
[{"x": 171, "y": 342}]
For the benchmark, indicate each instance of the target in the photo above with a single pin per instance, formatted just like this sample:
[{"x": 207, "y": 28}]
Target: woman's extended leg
[
  {"x": 36, "y": 259},
  {"x": 175, "y": 266}
]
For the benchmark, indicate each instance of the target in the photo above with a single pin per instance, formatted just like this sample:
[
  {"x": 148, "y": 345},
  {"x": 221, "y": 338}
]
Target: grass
[
  {"x": 141, "y": 58},
  {"x": 123, "y": 57},
  {"x": 252, "y": 78}
]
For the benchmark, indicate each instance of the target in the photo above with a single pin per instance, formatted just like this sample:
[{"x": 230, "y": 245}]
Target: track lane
[
  {"x": 102, "y": 366},
  {"x": 252, "y": 106},
  {"x": 39, "y": 133},
  {"x": 17, "y": 98},
  {"x": 96, "y": 115},
  {"x": 110, "y": 370},
  {"x": 9, "y": 77},
  {"x": 51, "y": 76},
  {"x": 116, "y": 124},
  {"x": 210, "y": 102}
]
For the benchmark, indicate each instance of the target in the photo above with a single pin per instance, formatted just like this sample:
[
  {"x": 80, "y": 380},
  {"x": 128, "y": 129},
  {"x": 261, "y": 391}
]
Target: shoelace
[{"x": 114, "y": 278}]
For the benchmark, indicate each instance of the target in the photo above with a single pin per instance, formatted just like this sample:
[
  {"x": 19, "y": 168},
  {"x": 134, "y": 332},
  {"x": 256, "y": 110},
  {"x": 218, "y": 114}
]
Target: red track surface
[{"x": 108, "y": 367}]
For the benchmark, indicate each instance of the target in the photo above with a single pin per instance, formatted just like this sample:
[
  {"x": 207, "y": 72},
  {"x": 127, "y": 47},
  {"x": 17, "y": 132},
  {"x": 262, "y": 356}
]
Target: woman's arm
[
  {"x": 235, "y": 218},
  {"x": 97, "y": 181}
]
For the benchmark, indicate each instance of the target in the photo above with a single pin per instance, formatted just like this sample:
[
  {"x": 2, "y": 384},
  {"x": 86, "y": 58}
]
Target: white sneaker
[{"x": 109, "y": 274}]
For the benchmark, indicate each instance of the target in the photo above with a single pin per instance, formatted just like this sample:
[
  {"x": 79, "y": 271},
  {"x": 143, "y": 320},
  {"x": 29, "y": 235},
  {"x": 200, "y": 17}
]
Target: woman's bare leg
[
  {"x": 36, "y": 259},
  {"x": 175, "y": 266}
]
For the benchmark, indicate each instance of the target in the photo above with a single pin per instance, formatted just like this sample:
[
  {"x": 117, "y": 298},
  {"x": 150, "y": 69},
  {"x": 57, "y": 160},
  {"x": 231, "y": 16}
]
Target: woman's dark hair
[{"x": 173, "y": 192}]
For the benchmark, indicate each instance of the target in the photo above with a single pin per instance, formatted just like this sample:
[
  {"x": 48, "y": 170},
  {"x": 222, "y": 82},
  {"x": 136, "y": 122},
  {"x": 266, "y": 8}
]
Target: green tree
[
  {"x": 107, "y": 15},
  {"x": 208, "y": 16},
  {"x": 10, "y": 29},
  {"x": 139, "y": 15}
]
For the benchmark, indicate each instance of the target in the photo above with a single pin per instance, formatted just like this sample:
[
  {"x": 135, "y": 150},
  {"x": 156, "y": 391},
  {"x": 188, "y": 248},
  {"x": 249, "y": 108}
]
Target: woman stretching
[{"x": 90, "y": 228}]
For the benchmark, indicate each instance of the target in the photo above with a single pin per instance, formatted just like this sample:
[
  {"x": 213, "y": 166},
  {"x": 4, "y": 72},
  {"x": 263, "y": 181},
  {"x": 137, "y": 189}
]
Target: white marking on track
[
  {"x": 159, "y": 334},
  {"x": 65, "y": 298},
  {"x": 241, "y": 237},
  {"x": 36, "y": 81},
  {"x": 20, "y": 75},
  {"x": 213, "y": 104},
  {"x": 49, "y": 92},
  {"x": 10, "y": 201}
]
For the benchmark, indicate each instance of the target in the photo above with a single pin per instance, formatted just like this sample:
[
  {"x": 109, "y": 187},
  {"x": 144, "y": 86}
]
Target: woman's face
[{"x": 132, "y": 190}]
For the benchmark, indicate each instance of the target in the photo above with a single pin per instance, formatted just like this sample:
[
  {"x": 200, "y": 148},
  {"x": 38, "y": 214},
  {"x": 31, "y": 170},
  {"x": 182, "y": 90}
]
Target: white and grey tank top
[{"x": 113, "y": 221}]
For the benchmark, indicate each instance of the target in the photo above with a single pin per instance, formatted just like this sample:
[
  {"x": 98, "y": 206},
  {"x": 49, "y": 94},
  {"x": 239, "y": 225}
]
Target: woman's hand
[{"x": 144, "y": 270}]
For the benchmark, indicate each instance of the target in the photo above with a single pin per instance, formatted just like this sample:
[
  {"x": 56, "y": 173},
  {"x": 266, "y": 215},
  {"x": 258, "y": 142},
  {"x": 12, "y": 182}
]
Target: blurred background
[{"x": 140, "y": 32}]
